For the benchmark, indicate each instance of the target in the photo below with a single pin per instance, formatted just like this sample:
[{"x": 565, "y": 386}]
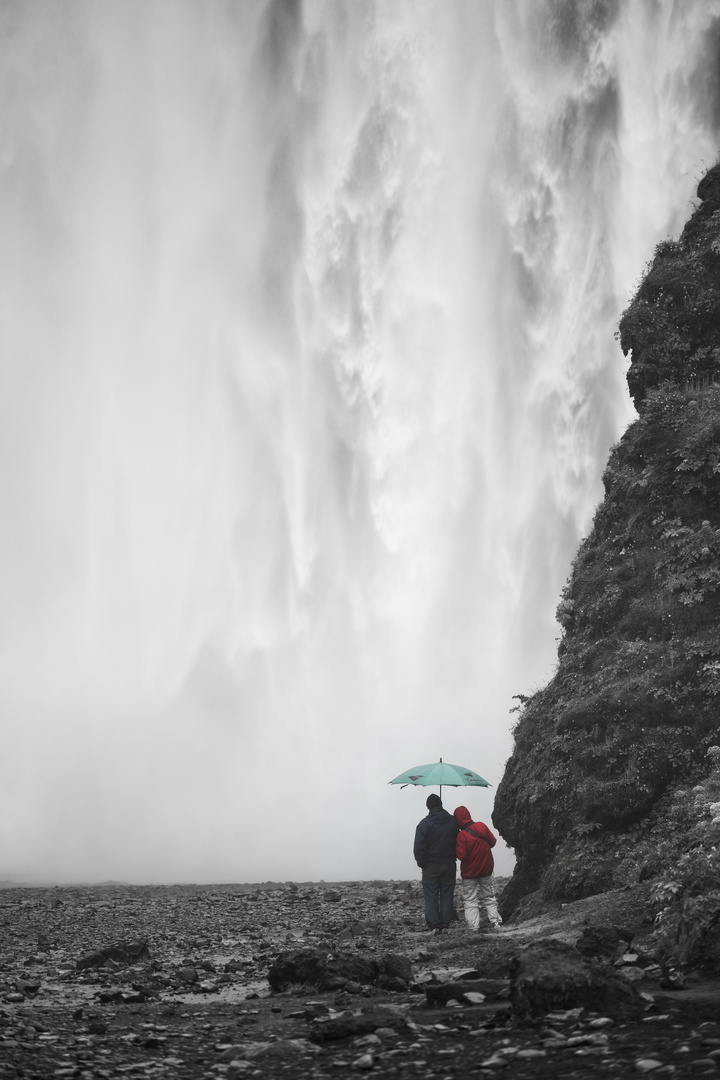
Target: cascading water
[{"x": 308, "y": 381}]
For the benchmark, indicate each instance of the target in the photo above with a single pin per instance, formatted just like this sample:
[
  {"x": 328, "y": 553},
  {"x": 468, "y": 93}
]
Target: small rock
[
  {"x": 473, "y": 997},
  {"x": 365, "y": 1061},
  {"x": 632, "y": 974},
  {"x": 673, "y": 980},
  {"x": 367, "y": 1040},
  {"x": 645, "y": 1065}
]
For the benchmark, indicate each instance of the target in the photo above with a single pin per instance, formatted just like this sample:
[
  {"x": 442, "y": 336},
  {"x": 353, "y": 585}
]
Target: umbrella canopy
[{"x": 441, "y": 773}]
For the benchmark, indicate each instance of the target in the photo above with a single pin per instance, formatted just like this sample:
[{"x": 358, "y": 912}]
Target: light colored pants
[{"x": 476, "y": 889}]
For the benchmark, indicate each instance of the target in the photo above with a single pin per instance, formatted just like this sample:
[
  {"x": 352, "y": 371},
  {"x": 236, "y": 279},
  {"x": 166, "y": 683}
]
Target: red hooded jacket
[{"x": 473, "y": 851}]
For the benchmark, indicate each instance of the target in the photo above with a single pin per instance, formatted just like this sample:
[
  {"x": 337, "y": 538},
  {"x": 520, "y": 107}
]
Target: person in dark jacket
[
  {"x": 473, "y": 848},
  {"x": 434, "y": 853}
]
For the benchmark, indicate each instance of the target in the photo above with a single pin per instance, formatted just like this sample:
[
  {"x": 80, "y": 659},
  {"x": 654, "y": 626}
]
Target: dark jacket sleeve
[{"x": 420, "y": 848}]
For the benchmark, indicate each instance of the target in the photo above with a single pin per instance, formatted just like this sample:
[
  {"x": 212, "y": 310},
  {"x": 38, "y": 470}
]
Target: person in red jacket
[{"x": 473, "y": 848}]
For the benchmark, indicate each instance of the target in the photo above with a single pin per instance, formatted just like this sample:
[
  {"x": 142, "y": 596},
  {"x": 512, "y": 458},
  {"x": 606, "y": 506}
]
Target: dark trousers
[{"x": 438, "y": 882}]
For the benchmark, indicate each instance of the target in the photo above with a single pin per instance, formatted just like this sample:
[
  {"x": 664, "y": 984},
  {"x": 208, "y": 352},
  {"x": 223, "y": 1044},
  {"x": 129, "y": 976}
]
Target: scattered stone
[{"x": 117, "y": 1019}]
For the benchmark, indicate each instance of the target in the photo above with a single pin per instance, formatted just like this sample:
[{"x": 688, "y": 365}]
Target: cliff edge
[{"x": 615, "y": 774}]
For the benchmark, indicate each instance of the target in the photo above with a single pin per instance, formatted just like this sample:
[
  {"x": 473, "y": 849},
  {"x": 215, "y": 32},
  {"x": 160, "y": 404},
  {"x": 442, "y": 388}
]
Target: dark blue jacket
[{"x": 435, "y": 838}]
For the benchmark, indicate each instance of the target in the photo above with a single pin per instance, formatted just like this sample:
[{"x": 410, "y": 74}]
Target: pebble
[
  {"x": 645, "y": 1065},
  {"x": 365, "y": 1061}
]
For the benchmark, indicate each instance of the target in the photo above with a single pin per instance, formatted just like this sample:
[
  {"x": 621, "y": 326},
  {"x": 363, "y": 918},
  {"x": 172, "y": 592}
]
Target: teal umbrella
[{"x": 441, "y": 773}]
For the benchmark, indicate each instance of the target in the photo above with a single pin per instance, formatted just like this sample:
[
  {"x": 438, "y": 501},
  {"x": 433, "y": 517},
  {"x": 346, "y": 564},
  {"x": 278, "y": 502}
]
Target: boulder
[
  {"x": 331, "y": 971},
  {"x": 311, "y": 967},
  {"x": 551, "y": 975},
  {"x": 123, "y": 952},
  {"x": 397, "y": 966},
  {"x": 603, "y": 942},
  {"x": 353, "y": 1024},
  {"x": 188, "y": 975},
  {"x": 439, "y": 993}
]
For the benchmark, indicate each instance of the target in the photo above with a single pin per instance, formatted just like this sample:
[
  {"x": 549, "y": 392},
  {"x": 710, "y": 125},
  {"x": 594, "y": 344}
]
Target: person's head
[
  {"x": 462, "y": 816},
  {"x": 433, "y": 802}
]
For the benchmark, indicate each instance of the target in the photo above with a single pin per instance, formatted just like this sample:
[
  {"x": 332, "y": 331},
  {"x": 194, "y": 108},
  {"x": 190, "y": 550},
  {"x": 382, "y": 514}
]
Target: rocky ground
[{"x": 315, "y": 980}]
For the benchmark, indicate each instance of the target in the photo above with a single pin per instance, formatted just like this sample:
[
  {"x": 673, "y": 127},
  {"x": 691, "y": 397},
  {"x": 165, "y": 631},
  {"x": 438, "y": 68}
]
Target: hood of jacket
[{"x": 462, "y": 816}]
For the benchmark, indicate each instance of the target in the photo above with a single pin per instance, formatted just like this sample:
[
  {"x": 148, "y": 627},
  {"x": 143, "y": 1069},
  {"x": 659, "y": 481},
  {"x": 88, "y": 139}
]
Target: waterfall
[{"x": 308, "y": 381}]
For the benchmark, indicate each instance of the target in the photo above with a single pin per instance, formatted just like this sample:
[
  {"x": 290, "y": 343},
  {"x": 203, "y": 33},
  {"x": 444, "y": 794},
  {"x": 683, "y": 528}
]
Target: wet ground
[{"x": 195, "y": 1001}]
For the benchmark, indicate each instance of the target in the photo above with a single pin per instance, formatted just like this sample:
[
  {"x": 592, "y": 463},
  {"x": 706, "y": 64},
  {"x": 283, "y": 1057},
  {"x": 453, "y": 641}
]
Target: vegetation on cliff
[{"x": 614, "y": 778}]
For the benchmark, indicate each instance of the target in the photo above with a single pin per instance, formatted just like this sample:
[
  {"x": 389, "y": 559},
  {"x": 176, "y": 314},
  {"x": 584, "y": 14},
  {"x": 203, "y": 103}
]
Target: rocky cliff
[{"x": 614, "y": 776}]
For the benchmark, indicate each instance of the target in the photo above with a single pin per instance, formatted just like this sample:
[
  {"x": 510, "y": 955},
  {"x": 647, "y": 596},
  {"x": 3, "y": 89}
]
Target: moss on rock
[{"x": 633, "y": 707}]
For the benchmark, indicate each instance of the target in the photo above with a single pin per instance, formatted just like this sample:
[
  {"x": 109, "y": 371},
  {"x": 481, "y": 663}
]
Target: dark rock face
[
  {"x": 551, "y": 975},
  {"x": 615, "y": 776},
  {"x": 671, "y": 327}
]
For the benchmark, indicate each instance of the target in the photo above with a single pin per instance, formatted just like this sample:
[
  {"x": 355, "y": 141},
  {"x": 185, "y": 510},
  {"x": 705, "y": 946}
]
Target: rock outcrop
[{"x": 614, "y": 776}]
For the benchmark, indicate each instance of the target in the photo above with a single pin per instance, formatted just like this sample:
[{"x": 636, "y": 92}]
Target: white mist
[{"x": 308, "y": 380}]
